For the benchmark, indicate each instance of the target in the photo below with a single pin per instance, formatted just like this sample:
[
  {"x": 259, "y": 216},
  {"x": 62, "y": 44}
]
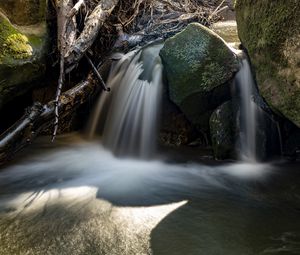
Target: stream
[
  {"x": 119, "y": 195},
  {"x": 75, "y": 197}
]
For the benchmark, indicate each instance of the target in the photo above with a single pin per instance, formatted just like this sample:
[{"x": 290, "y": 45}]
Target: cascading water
[
  {"x": 248, "y": 111},
  {"x": 130, "y": 111},
  {"x": 92, "y": 202}
]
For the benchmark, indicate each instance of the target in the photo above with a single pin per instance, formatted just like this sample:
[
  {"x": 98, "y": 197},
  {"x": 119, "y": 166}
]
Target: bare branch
[{"x": 90, "y": 32}]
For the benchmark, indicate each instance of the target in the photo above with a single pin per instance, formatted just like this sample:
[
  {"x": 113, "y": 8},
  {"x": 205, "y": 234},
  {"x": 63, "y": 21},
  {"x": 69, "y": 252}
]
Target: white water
[
  {"x": 130, "y": 110},
  {"x": 91, "y": 202},
  {"x": 248, "y": 112}
]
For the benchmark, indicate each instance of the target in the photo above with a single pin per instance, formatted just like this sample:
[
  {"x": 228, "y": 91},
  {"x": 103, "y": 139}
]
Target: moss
[
  {"x": 264, "y": 28},
  {"x": 196, "y": 60},
  {"x": 22, "y": 60},
  {"x": 198, "y": 65},
  {"x": 13, "y": 44}
]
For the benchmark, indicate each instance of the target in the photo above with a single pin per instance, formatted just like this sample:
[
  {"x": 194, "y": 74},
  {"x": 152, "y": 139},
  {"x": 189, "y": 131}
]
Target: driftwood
[
  {"x": 40, "y": 117},
  {"x": 72, "y": 49},
  {"x": 66, "y": 27},
  {"x": 90, "y": 32}
]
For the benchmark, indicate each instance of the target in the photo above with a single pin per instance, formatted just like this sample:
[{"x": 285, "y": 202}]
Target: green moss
[
  {"x": 22, "y": 60},
  {"x": 198, "y": 65},
  {"x": 196, "y": 60},
  {"x": 264, "y": 28},
  {"x": 13, "y": 44},
  {"x": 16, "y": 45}
]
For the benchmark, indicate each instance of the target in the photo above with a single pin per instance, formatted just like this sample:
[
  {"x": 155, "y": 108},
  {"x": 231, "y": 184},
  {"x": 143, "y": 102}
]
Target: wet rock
[
  {"x": 226, "y": 129},
  {"x": 270, "y": 31},
  {"x": 223, "y": 130},
  {"x": 198, "y": 66},
  {"x": 175, "y": 129}
]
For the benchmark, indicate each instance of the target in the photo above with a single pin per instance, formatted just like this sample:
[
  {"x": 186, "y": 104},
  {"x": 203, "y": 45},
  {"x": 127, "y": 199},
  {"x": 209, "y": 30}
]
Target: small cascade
[
  {"x": 127, "y": 116},
  {"x": 248, "y": 112}
]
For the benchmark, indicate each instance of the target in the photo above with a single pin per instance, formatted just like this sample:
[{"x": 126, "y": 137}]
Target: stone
[
  {"x": 270, "y": 31},
  {"x": 198, "y": 66},
  {"x": 223, "y": 130},
  {"x": 22, "y": 58}
]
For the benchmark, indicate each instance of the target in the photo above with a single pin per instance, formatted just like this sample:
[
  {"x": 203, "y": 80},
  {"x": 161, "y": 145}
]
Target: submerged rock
[
  {"x": 198, "y": 65},
  {"x": 270, "y": 30},
  {"x": 223, "y": 130},
  {"x": 22, "y": 57}
]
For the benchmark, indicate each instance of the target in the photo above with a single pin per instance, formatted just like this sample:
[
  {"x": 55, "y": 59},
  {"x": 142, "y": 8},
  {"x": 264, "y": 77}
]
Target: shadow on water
[{"x": 80, "y": 199}]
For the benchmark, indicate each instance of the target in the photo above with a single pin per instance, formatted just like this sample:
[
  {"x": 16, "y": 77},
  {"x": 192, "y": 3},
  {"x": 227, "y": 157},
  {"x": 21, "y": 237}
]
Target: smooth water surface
[{"x": 77, "y": 198}]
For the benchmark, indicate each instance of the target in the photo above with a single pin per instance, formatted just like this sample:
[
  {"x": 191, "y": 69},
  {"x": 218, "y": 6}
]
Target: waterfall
[
  {"x": 127, "y": 116},
  {"x": 248, "y": 112}
]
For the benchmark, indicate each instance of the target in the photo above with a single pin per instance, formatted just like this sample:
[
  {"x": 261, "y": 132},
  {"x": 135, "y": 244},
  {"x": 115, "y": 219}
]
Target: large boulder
[
  {"x": 198, "y": 65},
  {"x": 22, "y": 56},
  {"x": 270, "y": 31}
]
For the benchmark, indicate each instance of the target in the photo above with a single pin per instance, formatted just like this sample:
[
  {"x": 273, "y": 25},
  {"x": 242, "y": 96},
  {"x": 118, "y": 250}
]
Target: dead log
[
  {"x": 40, "y": 117},
  {"x": 90, "y": 32},
  {"x": 66, "y": 24},
  {"x": 66, "y": 34}
]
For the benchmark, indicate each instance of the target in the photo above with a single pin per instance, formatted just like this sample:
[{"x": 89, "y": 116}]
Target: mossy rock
[
  {"x": 13, "y": 44},
  {"x": 21, "y": 60},
  {"x": 24, "y": 12},
  {"x": 198, "y": 64},
  {"x": 270, "y": 31},
  {"x": 223, "y": 131}
]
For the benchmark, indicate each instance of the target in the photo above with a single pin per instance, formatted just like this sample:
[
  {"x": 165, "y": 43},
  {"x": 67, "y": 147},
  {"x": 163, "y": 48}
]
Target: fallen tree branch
[
  {"x": 98, "y": 75},
  {"x": 66, "y": 38},
  {"x": 90, "y": 32},
  {"x": 38, "y": 118}
]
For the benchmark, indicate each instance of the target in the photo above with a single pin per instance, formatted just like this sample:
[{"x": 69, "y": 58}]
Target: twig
[
  {"x": 103, "y": 85},
  {"x": 58, "y": 92},
  {"x": 215, "y": 11}
]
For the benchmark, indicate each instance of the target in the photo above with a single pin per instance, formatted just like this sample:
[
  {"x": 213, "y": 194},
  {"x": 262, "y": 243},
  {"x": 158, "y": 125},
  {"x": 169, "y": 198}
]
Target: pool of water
[{"x": 75, "y": 197}]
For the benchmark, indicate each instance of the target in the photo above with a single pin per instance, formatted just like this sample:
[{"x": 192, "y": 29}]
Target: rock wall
[
  {"x": 24, "y": 12},
  {"x": 270, "y": 31},
  {"x": 23, "y": 46}
]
